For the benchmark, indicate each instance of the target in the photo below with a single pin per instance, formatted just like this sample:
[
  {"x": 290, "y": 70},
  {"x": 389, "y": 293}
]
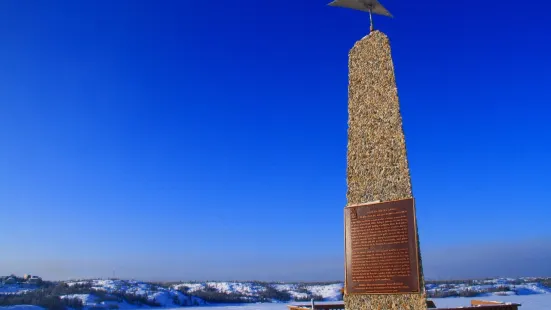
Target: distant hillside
[
  {"x": 115, "y": 294},
  {"x": 501, "y": 286}
]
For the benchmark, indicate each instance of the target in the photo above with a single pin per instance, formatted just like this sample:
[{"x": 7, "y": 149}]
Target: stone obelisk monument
[{"x": 383, "y": 261}]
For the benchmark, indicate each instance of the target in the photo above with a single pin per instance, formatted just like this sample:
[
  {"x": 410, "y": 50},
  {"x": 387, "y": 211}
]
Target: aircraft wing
[{"x": 362, "y": 5}]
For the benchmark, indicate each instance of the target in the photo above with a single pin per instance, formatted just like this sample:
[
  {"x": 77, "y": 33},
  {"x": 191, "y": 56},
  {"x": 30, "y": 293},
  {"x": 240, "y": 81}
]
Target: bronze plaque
[{"x": 381, "y": 248}]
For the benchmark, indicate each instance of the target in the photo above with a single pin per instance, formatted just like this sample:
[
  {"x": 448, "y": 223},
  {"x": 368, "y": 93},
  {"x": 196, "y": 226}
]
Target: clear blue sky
[{"x": 207, "y": 139}]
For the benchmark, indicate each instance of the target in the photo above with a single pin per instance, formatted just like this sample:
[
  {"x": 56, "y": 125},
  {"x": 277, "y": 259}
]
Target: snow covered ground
[
  {"x": 21, "y": 307},
  {"x": 508, "y": 288},
  {"x": 528, "y": 302},
  {"x": 244, "y": 288},
  {"x": 166, "y": 297},
  {"x": 15, "y": 288},
  {"x": 329, "y": 291}
]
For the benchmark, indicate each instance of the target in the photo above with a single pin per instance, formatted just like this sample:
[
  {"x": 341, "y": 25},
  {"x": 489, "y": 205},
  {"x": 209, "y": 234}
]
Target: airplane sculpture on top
[{"x": 370, "y": 6}]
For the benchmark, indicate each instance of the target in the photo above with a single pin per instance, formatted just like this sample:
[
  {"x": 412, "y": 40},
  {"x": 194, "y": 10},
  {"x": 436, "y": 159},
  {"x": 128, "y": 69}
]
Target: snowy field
[
  {"x": 528, "y": 302},
  {"x": 22, "y": 307}
]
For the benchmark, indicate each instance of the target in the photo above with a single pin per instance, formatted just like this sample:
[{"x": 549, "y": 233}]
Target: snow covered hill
[
  {"x": 498, "y": 287},
  {"x": 266, "y": 292},
  {"x": 127, "y": 294}
]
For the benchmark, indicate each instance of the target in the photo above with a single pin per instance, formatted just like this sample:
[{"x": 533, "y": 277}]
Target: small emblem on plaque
[{"x": 353, "y": 213}]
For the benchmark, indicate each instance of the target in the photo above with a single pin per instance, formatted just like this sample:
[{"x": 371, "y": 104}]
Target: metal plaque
[{"x": 381, "y": 248}]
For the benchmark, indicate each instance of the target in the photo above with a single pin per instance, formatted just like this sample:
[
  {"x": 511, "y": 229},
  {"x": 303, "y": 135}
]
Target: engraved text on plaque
[{"x": 381, "y": 248}]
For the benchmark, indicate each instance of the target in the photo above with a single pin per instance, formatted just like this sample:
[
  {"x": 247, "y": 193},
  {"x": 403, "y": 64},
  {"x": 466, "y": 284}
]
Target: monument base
[{"x": 385, "y": 302}]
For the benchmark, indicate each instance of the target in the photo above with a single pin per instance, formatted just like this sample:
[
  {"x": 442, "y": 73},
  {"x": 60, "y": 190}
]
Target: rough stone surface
[{"x": 377, "y": 160}]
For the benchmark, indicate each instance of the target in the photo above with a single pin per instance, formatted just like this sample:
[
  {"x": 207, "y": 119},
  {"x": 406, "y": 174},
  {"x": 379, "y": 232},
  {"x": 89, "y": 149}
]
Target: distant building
[
  {"x": 34, "y": 280},
  {"x": 10, "y": 280}
]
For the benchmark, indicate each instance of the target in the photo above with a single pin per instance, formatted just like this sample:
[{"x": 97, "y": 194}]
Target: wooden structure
[{"x": 475, "y": 302}]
